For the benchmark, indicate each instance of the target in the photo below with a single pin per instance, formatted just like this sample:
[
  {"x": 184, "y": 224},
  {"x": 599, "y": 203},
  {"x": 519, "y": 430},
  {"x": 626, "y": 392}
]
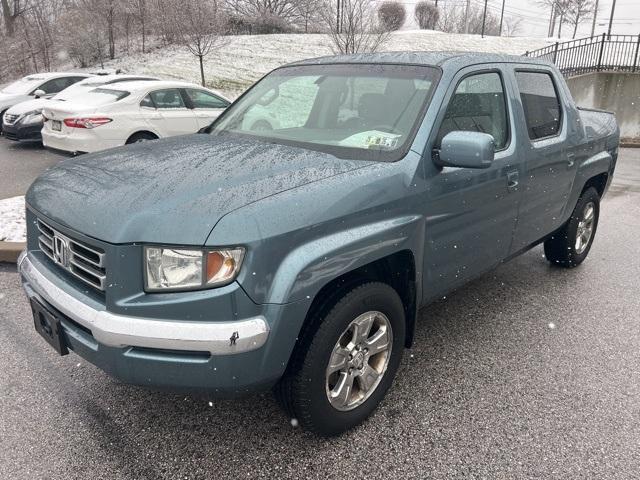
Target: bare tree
[
  {"x": 356, "y": 29},
  {"x": 427, "y": 15},
  {"x": 11, "y": 11},
  {"x": 258, "y": 9},
  {"x": 200, "y": 23},
  {"x": 579, "y": 11},
  {"x": 392, "y": 15},
  {"x": 138, "y": 8},
  {"x": 309, "y": 13}
]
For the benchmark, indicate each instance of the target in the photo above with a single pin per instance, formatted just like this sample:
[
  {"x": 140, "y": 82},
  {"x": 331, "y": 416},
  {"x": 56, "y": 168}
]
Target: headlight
[
  {"x": 168, "y": 268},
  {"x": 31, "y": 117}
]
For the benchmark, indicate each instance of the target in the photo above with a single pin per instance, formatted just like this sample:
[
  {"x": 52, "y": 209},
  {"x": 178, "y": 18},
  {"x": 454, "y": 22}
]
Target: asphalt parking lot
[
  {"x": 20, "y": 164},
  {"x": 529, "y": 372}
]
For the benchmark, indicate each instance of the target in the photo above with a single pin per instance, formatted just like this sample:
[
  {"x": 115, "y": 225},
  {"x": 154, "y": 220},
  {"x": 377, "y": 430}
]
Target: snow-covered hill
[{"x": 248, "y": 57}]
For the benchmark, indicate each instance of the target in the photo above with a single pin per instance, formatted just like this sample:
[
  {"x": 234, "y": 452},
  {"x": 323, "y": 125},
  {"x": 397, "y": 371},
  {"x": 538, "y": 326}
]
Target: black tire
[
  {"x": 561, "y": 248},
  {"x": 2, "y": 120},
  {"x": 303, "y": 390},
  {"x": 141, "y": 137}
]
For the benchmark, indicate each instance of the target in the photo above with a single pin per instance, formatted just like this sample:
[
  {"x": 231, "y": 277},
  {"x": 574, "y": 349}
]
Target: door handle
[
  {"x": 571, "y": 160},
  {"x": 512, "y": 181}
]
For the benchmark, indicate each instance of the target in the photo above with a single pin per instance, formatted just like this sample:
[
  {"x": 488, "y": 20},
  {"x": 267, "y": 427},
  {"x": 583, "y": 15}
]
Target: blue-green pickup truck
[{"x": 291, "y": 244}]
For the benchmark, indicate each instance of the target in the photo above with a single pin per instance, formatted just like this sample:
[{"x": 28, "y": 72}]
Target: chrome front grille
[
  {"x": 10, "y": 119},
  {"x": 81, "y": 260}
]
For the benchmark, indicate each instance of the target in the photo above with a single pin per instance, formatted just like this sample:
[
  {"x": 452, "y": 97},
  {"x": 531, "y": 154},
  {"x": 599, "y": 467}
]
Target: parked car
[
  {"x": 298, "y": 257},
  {"x": 129, "y": 112},
  {"x": 23, "y": 122},
  {"x": 40, "y": 85}
]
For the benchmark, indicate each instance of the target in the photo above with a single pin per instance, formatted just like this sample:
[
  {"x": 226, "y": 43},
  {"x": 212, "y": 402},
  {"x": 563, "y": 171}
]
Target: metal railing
[{"x": 619, "y": 53}]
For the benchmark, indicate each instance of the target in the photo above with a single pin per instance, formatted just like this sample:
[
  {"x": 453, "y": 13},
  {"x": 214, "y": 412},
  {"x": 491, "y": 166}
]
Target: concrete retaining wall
[{"x": 617, "y": 92}]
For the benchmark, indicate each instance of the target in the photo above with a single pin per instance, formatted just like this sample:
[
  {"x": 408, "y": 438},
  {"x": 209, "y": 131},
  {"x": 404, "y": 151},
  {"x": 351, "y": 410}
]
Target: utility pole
[
  {"x": 501, "y": 17},
  {"x": 484, "y": 17},
  {"x": 338, "y": 18},
  {"x": 595, "y": 16},
  {"x": 613, "y": 9},
  {"x": 466, "y": 17}
]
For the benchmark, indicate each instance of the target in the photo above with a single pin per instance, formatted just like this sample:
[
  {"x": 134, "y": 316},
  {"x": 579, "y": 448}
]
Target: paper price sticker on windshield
[{"x": 381, "y": 141}]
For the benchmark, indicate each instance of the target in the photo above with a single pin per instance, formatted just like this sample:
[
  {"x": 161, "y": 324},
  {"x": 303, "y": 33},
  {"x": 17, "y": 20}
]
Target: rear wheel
[
  {"x": 344, "y": 367},
  {"x": 141, "y": 137},
  {"x": 569, "y": 246}
]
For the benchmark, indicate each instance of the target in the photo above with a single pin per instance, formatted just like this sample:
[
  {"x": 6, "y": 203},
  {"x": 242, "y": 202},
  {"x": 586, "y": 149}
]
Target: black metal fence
[{"x": 619, "y": 53}]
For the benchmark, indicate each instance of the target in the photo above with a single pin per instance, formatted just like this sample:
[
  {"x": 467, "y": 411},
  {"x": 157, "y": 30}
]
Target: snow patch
[{"x": 12, "y": 221}]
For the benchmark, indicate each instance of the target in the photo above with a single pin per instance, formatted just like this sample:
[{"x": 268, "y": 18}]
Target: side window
[
  {"x": 204, "y": 99},
  {"x": 478, "y": 105},
  {"x": 540, "y": 103},
  {"x": 147, "y": 102},
  {"x": 54, "y": 86},
  {"x": 169, "y": 98},
  {"x": 72, "y": 80}
]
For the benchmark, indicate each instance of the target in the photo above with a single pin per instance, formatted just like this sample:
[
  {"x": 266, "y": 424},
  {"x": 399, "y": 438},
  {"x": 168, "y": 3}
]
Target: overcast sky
[{"x": 535, "y": 18}]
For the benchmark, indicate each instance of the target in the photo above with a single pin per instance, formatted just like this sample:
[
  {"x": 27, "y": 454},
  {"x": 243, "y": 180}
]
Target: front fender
[{"x": 309, "y": 267}]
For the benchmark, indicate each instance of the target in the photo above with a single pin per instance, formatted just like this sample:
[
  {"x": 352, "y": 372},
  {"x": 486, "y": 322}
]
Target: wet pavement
[
  {"x": 21, "y": 163},
  {"x": 528, "y": 372}
]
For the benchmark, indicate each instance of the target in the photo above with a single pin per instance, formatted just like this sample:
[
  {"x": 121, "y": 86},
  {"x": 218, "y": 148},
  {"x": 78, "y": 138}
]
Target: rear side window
[
  {"x": 540, "y": 104},
  {"x": 169, "y": 98},
  {"x": 478, "y": 105},
  {"x": 204, "y": 99}
]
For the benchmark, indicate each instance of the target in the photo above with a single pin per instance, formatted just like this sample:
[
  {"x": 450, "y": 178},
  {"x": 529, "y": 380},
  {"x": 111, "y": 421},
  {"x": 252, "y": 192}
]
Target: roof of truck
[{"x": 423, "y": 58}]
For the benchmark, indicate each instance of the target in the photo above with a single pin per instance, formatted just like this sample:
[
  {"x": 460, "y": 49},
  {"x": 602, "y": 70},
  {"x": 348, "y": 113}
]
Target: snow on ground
[
  {"x": 248, "y": 57},
  {"x": 12, "y": 223}
]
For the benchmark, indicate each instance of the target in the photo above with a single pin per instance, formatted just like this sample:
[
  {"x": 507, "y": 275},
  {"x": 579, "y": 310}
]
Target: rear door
[
  {"x": 471, "y": 214},
  {"x": 170, "y": 114},
  {"x": 550, "y": 164},
  {"x": 206, "y": 106}
]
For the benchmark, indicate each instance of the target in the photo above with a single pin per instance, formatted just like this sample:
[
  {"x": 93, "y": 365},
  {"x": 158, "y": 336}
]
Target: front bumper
[
  {"x": 225, "y": 358},
  {"x": 120, "y": 331},
  {"x": 18, "y": 132}
]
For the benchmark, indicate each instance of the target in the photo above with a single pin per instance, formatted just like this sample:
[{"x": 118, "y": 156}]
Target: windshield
[
  {"x": 100, "y": 96},
  {"x": 361, "y": 111},
  {"x": 23, "y": 86}
]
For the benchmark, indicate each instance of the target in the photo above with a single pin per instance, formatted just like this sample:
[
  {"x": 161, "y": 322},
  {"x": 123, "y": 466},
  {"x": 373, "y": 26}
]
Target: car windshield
[
  {"x": 23, "y": 86},
  {"x": 99, "y": 96},
  {"x": 364, "y": 111}
]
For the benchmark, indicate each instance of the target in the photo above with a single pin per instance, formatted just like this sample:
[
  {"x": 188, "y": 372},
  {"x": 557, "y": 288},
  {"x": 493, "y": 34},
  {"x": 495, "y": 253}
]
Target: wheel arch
[
  {"x": 145, "y": 131},
  {"x": 398, "y": 270}
]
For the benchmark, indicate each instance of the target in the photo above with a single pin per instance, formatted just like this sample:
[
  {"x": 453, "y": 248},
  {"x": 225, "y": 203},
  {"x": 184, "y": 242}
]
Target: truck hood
[{"x": 175, "y": 190}]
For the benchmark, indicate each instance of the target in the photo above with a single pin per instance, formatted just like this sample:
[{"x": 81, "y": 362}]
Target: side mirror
[
  {"x": 39, "y": 93},
  {"x": 466, "y": 150}
]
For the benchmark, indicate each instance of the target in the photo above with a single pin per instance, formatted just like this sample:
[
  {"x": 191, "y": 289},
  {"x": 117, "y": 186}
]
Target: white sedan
[{"x": 129, "y": 112}]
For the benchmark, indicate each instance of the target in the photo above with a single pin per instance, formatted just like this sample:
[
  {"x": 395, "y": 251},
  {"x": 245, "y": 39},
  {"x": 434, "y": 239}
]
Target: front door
[
  {"x": 172, "y": 115},
  {"x": 206, "y": 106},
  {"x": 471, "y": 213}
]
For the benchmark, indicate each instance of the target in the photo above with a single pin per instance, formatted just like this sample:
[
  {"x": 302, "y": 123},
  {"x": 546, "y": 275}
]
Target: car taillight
[{"x": 87, "y": 122}]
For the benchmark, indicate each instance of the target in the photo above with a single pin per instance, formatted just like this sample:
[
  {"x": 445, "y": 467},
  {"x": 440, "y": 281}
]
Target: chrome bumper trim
[{"x": 219, "y": 338}]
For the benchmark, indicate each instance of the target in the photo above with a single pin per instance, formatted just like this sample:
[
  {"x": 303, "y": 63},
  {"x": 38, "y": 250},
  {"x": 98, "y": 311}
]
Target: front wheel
[
  {"x": 569, "y": 246},
  {"x": 352, "y": 357}
]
